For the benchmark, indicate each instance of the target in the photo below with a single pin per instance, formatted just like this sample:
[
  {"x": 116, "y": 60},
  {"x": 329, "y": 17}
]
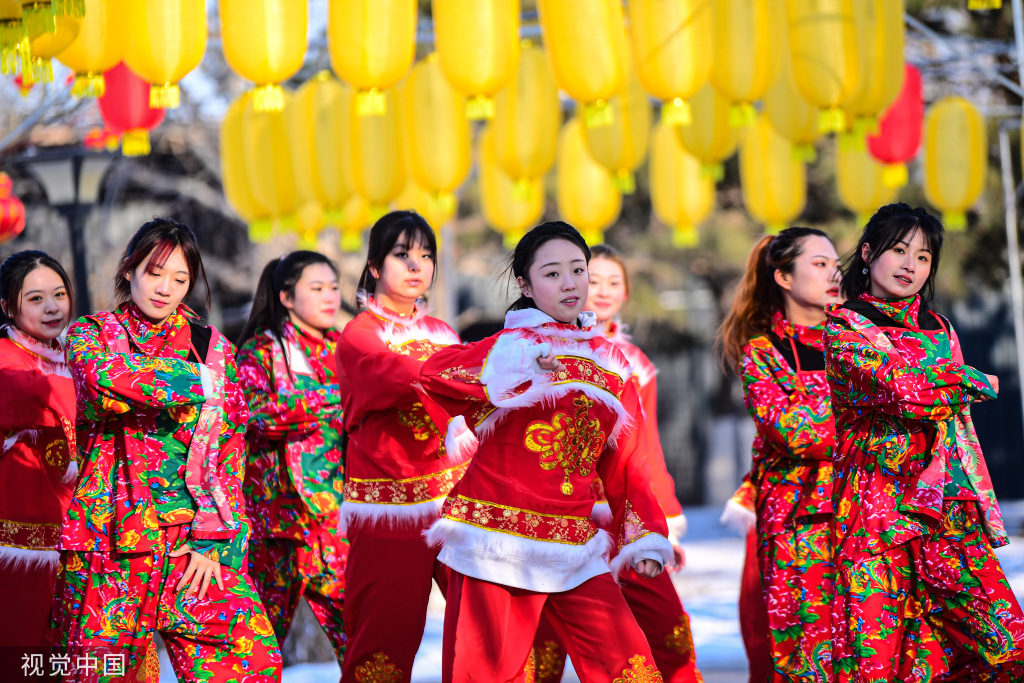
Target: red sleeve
[
  {"x": 371, "y": 376},
  {"x": 31, "y": 399},
  {"x": 452, "y": 377},
  {"x": 662, "y": 484}
]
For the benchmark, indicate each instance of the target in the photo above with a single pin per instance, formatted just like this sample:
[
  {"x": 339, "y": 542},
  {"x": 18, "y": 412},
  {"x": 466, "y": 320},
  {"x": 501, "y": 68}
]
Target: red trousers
[
  {"x": 387, "y": 586},
  {"x": 754, "y": 617},
  {"x": 489, "y": 630},
  {"x": 28, "y": 593}
]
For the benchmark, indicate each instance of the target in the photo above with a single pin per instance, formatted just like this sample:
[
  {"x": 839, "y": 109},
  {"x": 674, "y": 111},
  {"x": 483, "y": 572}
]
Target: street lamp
[{"x": 71, "y": 177}]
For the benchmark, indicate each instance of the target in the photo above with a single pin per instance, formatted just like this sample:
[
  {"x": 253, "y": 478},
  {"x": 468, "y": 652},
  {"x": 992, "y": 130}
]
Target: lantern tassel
[
  {"x": 135, "y": 143},
  {"x": 351, "y": 241},
  {"x": 39, "y": 18},
  {"x": 831, "y": 120},
  {"x": 713, "y": 171},
  {"x": 307, "y": 240},
  {"x": 685, "y": 236},
  {"x": 598, "y": 114},
  {"x": 261, "y": 231},
  {"x": 510, "y": 238},
  {"x": 775, "y": 228},
  {"x": 954, "y": 221},
  {"x": 268, "y": 97},
  {"x": 522, "y": 190},
  {"x": 444, "y": 203},
  {"x": 805, "y": 152},
  {"x": 592, "y": 235},
  {"x": 851, "y": 142},
  {"x": 625, "y": 181},
  {"x": 676, "y": 113},
  {"x": 742, "y": 115},
  {"x": 12, "y": 37},
  {"x": 40, "y": 70},
  {"x": 69, "y": 8},
  {"x": 863, "y": 218},
  {"x": 371, "y": 102},
  {"x": 89, "y": 85},
  {"x": 984, "y": 4},
  {"x": 166, "y": 96},
  {"x": 894, "y": 175},
  {"x": 480, "y": 108},
  {"x": 377, "y": 211}
]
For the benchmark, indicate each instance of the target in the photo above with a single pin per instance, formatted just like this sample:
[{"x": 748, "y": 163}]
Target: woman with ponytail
[
  {"x": 772, "y": 337},
  {"x": 38, "y": 459},
  {"x": 294, "y": 476},
  {"x": 555, "y": 406},
  {"x": 920, "y": 594}
]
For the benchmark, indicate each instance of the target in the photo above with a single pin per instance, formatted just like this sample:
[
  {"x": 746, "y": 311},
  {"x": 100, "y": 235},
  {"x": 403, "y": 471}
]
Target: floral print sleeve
[{"x": 116, "y": 383}]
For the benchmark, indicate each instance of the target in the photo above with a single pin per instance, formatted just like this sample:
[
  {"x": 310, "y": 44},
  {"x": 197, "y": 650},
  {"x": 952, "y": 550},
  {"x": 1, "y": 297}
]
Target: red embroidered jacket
[
  {"x": 38, "y": 461},
  {"x": 520, "y": 516},
  {"x": 400, "y": 464}
]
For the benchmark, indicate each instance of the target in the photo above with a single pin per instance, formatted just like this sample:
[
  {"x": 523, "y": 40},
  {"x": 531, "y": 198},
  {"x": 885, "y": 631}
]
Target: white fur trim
[
  {"x": 738, "y": 518},
  {"x": 27, "y": 435},
  {"x": 527, "y": 563},
  {"x": 534, "y": 318},
  {"x": 389, "y": 515},
  {"x": 55, "y": 356},
  {"x": 602, "y": 514},
  {"x": 459, "y": 441},
  {"x": 366, "y": 301},
  {"x": 677, "y": 527},
  {"x": 510, "y": 363},
  {"x": 23, "y": 558},
  {"x": 650, "y": 547},
  {"x": 71, "y": 473}
]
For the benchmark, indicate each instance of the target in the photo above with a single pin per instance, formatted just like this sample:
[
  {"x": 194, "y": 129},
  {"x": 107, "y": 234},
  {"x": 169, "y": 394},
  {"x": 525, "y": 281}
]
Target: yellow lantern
[
  {"x": 318, "y": 129},
  {"x": 45, "y": 46},
  {"x": 505, "y": 206},
  {"x": 859, "y": 181},
  {"x": 879, "y": 25},
  {"x": 955, "y": 158},
  {"x": 774, "y": 183},
  {"x": 792, "y": 116},
  {"x": 681, "y": 196},
  {"x": 622, "y": 146},
  {"x": 167, "y": 40},
  {"x": 478, "y": 41},
  {"x": 234, "y": 174},
  {"x": 527, "y": 118},
  {"x": 436, "y": 210},
  {"x": 746, "y": 54},
  {"x": 672, "y": 47},
  {"x": 586, "y": 42},
  {"x": 587, "y": 197},
  {"x": 268, "y": 162},
  {"x": 13, "y": 38},
  {"x": 372, "y": 45},
  {"x": 984, "y": 4},
  {"x": 436, "y": 130},
  {"x": 98, "y": 47},
  {"x": 709, "y": 137},
  {"x": 353, "y": 220},
  {"x": 826, "y": 64},
  {"x": 265, "y": 42},
  {"x": 377, "y": 161}
]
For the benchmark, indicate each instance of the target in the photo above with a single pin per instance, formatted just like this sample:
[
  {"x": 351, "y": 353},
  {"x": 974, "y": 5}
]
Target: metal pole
[
  {"x": 448, "y": 274},
  {"x": 76, "y": 229},
  {"x": 1013, "y": 253}
]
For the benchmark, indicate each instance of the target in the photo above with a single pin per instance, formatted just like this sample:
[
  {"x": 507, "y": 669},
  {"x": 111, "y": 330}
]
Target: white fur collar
[
  {"x": 54, "y": 355},
  {"x": 367, "y": 302},
  {"x": 534, "y": 317}
]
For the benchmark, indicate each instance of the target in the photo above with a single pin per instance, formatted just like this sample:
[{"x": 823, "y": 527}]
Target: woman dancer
[
  {"x": 156, "y": 534},
  {"x": 919, "y": 593},
  {"x": 293, "y": 480},
  {"x": 37, "y": 421},
  {"x": 399, "y": 463},
  {"x": 555, "y": 406},
  {"x": 772, "y": 336}
]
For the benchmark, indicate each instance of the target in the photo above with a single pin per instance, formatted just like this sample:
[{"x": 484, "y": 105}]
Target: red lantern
[
  {"x": 12, "y": 211},
  {"x": 899, "y": 130},
  {"x": 125, "y": 110}
]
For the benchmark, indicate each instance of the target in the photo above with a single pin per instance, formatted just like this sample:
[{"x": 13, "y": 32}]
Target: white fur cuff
[
  {"x": 511, "y": 362},
  {"x": 738, "y": 518},
  {"x": 650, "y": 547},
  {"x": 677, "y": 527}
]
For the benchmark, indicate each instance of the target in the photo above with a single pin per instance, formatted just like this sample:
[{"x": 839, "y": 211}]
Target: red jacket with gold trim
[
  {"x": 520, "y": 516},
  {"x": 38, "y": 462},
  {"x": 399, "y": 463}
]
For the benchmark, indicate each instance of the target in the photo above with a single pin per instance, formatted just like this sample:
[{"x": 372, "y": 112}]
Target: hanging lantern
[
  {"x": 984, "y": 4},
  {"x": 790, "y": 114},
  {"x": 44, "y": 47},
  {"x": 746, "y": 55},
  {"x": 13, "y": 36},
  {"x": 265, "y": 42},
  {"x": 506, "y": 207},
  {"x": 710, "y": 137},
  {"x": 672, "y": 48},
  {"x": 377, "y": 159},
  {"x": 125, "y": 109},
  {"x": 12, "y": 211},
  {"x": 437, "y": 211},
  {"x": 774, "y": 183},
  {"x": 826, "y": 64},
  {"x": 167, "y": 40},
  {"x": 372, "y": 45},
  {"x": 622, "y": 146},
  {"x": 40, "y": 15},
  {"x": 586, "y": 42},
  {"x": 234, "y": 175},
  {"x": 879, "y": 27},
  {"x": 586, "y": 194},
  {"x": 478, "y": 41},
  {"x": 859, "y": 181},
  {"x": 268, "y": 162},
  {"x": 436, "y": 131},
  {"x": 351, "y": 223},
  {"x": 899, "y": 130},
  {"x": 681, "y": 196},
  {"x": 99, "y": 45},
  {"x": 955, "y": 159},
  {"x": 527, "y": 118}
]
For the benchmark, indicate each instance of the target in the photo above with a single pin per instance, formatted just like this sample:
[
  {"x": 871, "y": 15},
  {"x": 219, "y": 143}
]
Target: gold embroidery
[
  {"x": 57, "y": 454},
  {"x": 528, "y": 670},
  {"x": 638, "y": 672},
  {"x": 518, "y": 522},
  {"x": 152, "y": 667},
  {"x": 422, "y": 426},
  {"x": 632, "y": 526},
  {"x": 380, "y": 670},
  {"x": 550, "y": 661},
  {"x": 574, "y": 444},
  {"x": 29, "y": 535},
  {"x": 404, "y": 491},
  {"x": 459, "y": 373},
  {"x": 419, "y": 349},
  {"x": 681, "y": 640}
]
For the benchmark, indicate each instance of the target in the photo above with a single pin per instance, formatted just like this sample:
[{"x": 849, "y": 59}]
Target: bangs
[
  {"x": 902, "y": 229},
  {"x": 417, "y": 236},
  {"x": 161, "y": 252}
]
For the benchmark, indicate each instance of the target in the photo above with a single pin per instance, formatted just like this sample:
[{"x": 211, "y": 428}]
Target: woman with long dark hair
[
  {"x": 555, "y": 405},
  {"x": 920, "y": 594},
  {"x": 156, "y": 535},
  {"x": 38, "y": 460},
  {"x": 400, "y": 461},
  {"x": 772, "y": 337},
  {"x": 294, "y": 473}
]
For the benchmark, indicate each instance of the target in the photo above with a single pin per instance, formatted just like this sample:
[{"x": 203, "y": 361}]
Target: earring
[{"x": 864, "y": 271}]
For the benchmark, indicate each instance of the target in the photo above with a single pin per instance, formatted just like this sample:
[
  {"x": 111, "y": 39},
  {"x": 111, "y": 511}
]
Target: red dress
[{"x": 37, "y": 470}]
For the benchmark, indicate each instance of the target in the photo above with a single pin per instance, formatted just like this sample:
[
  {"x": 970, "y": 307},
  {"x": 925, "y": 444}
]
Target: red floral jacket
[
  {"x": 38, "y": 460},
  {"x": 520, "y": 516},
  {"x": 294, "y": 473},
  {"x": 901, "y": 395}
]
